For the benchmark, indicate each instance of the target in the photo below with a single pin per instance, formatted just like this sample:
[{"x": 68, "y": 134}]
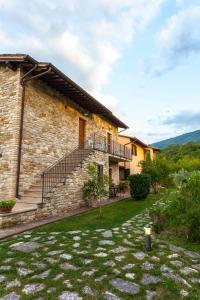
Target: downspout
[{"x": 23, "y": 81}]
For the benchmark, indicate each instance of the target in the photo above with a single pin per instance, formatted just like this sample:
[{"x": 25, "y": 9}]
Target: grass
[
  {"x": 57, "y": 236},
  {"x": 112, "y": 215}
]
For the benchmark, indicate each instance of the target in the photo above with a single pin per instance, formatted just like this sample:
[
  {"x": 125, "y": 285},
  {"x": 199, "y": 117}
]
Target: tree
[
  {"x": 158, "y": 169},
  {"x": 96, "y": 188}
]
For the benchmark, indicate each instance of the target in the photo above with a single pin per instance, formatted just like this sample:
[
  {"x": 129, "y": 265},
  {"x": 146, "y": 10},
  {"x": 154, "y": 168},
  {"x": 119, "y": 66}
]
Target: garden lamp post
[{"x": 147, "y": 238}]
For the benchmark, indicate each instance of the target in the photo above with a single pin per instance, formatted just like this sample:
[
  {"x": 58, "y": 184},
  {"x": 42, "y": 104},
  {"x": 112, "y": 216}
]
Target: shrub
[
  {"x": 94, "y": 189},
  {"x": 158, "y": 169},
  {"x": 182, "y": 214},
  {"x": 7, "y": 203},
  {"x": 157, "y": 218},
  {"x": 139, "y": 185}
]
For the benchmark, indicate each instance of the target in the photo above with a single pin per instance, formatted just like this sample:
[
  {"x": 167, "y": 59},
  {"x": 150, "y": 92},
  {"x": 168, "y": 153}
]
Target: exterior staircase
[{"x": 56, "y": 174}]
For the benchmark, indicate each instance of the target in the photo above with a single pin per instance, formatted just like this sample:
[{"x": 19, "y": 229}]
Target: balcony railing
[{"x": 100, "y": 142}]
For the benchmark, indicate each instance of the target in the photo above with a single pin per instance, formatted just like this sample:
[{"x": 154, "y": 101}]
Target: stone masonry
[
  {"x": 10, "y": 108},
  {"x": 62, "y": 198},
  {"x": 70, "y": 196},
  {"x": 51, "y": 129}
]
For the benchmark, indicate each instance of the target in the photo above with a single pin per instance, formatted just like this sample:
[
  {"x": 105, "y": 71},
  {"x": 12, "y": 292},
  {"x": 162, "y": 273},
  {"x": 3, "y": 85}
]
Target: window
[
  {"x": 134, "y": 150},
  {"x": 100, "y": 174}
]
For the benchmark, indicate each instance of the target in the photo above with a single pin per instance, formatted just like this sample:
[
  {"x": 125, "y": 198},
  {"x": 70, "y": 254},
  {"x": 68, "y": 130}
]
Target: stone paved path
[{"x": 96, "y": 264}]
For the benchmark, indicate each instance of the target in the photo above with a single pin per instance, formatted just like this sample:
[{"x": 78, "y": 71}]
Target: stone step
[
  {"x": 20, "y": 207},
  {"x": 30, "y": 200}
]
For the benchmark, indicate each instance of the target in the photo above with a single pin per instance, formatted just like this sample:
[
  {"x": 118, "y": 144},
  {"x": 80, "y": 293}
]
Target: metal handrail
[{"x": 58, "y": 172}]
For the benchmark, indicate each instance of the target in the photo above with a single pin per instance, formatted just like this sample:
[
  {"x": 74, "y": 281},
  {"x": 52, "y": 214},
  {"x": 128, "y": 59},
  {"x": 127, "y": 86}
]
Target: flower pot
[{"x": 5, "y": 210}]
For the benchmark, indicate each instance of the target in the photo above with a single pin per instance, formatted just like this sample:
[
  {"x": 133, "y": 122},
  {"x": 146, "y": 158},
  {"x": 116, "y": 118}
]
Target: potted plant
[
  {"x": 7, "y": 205},
  {"x": 123, "y": 187}
]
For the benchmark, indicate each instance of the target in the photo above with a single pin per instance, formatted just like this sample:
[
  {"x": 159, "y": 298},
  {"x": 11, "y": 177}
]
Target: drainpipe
[{"x": 25, "y": 78}]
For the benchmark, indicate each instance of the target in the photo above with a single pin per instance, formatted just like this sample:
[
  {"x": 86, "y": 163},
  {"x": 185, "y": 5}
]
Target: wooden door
[
  {"x": 109, "y": 142},
  {"x": 82, "y": 124}
]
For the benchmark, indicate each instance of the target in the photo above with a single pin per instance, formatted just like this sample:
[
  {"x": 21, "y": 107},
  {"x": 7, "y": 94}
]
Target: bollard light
[{"x": 147, "y": 238}]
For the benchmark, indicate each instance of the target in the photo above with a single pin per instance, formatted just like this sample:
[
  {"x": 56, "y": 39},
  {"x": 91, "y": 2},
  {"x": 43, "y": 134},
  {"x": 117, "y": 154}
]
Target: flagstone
[
  {"x": 39, "y": 265},
  {"x": 66, "y": 256},
  {"x": 119, "y": 249},
  {"x": 176, "y": 278},
  {"x": 106, "y": 242},
  {"x": 101, "y": 254},
  {"x": 110, "y": 263},
  {"x": 130, "y": 275},
  {"x": 184, "y": 293},
  {"x": 59, "y": 276},
  {"x": 20, "y": 263},
  {"x": 174, "y": 255},
  {"x": 7, "y": 260},
  {"x": 128, "y": 266},
  {"x": 87, "y": 261},
  {"x": 100, "y": 278},
  {"x": 176, "y": 263},
  {"x": 67, "y": 266},
  {"x": 119, "y": 257},
  {"x": 5, "y": 268},
  {"x": 33, "y": 288},
  {"x": 195, "y": 280},
  {"x": 55, "y": 252},
  {"x": 188, "y": 271},
  {"x": 107, "y": 234},
  {"x": 26, "y": 247},
  {"x": 139, "y": 255},
  {"x": 89, "y": 273},
  {"x": 87, "y": 290},
  {"x": 192, "y": 254},
  {"x": 42, "y": 275},
  {"x": 68, "y": 283},
  {"x": 150, "y": 295},
  {"x": 110, "y": 296},
  {"x": 2, "y": 278},
  {"x": 197, "y": 266},
  {"x": 147, "y": 266},
  {"x": 76, "y": 238},
  {"x": 70, "y": 296},
  {"x": 24, "y": 271},
  {"x": 13, "y": 283},
  {"x": 125, "y": 286},
  {"x": 175, "y": 248},
  {"x": 11, "y": 296},
  {"x": 150, "y": 279}
]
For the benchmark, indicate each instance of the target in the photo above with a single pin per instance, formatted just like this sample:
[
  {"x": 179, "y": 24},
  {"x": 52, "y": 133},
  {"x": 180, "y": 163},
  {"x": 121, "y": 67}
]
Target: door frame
[{"x": 81, "y": 134}]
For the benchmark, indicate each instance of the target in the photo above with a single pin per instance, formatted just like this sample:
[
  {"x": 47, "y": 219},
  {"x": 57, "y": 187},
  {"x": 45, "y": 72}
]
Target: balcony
[{"x": 101, "y": 143}]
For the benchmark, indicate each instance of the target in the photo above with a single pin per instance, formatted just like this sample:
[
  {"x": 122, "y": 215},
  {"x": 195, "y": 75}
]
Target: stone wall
[
  {"x": 10, "y": 108},
  {"x": 51, "y": 129},
  {"x": 63, "y": 198},
  {"x": 70, "y": 196},
  {"x": 115, "y": 171}
]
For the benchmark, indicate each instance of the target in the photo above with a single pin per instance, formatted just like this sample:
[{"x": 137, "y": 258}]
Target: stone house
[
  {"x": 50, "y": 130},
  {"x": 139, "y": 151}
]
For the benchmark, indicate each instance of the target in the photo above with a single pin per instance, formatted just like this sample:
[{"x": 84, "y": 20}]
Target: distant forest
[{"x": 186, "y": 156}]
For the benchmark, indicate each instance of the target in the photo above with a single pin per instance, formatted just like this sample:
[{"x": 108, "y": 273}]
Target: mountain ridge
[{"x": 193, "y": 136}]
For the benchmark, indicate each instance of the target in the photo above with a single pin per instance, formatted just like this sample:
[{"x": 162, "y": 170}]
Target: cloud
[
  {"x": 178, "y": 40},
  {"x": 84, "y": 38},
  {"x": 184, "y": 120}
]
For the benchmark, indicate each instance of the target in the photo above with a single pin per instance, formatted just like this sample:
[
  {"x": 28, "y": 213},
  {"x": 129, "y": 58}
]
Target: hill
[{"x": 179, "y": 140}]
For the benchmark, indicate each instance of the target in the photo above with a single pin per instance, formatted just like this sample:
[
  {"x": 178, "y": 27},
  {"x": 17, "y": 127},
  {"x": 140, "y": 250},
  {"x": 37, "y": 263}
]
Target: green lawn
[{"x": 112, "y": 215}]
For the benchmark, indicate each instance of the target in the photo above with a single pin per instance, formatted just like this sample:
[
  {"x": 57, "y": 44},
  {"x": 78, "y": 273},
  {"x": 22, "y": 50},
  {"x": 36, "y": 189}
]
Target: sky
[{"x": 140, "y": 58}]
